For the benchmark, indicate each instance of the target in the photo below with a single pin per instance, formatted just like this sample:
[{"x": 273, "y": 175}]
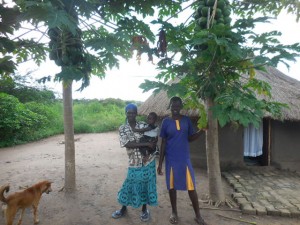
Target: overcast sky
[{"x": 124, "y": 82}]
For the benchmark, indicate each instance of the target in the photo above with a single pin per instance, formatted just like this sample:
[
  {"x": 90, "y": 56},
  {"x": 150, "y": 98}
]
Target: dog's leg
[
  {"x": 3, "y": 209},
  {"x": 35, "y": 214},
  {"x": 21, "y": 216},
  {"x": 10, "y": 215}
]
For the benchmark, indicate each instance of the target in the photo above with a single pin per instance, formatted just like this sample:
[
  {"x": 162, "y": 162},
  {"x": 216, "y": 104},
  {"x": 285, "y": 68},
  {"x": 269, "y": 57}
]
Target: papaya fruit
[
  {"x": 202, "y": 22},
  {"x": 204, "y": 11},
  {"x": 221, "y": 20},
  {"x": 227, "y": 11},
  {"x": 220, "y": 26},
  {"x": 210, "y": 2},
  {"x": 65, "y": 60},
  {"x": 52, "y": 55},
  {"x": 58, "y": 62},
  {"x": 201, "y": 2},
  {"x": 227, "y": 20},
  {"x": 199, "y": 9},
  {"x": 219, "y": 13},
  {"x": 221, "y": 4},
  {"x": 197, "y": 15}
]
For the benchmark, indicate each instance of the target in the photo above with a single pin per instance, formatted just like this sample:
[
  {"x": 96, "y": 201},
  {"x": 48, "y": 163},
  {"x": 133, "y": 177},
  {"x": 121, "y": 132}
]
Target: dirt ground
[{"x": 100, "y": 170}]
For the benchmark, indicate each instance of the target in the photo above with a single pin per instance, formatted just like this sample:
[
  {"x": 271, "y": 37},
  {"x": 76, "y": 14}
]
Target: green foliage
[
  {"x": 243, "y": 107},
  {"x": 17, "y": 86},
  {"x": 192, "y": 102},
  {"x": 9, "y": 19},
  {"x": 30, "y": 50},
  {"x": 7, "y": 66},
  {"x": 33, "y": 121},
  {"x": 213, "y": 59},
  {"x": 92, "y": 116},
  {"x": 18, "y": 122},
  {"x": 267, "y": 7},
  {"x": 20, "y": 48},
  {"x": 29, "y": 113},
  {"x": 203, "y": 120}
]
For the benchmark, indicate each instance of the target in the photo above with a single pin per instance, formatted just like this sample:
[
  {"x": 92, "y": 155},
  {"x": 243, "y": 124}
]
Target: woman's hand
[
  {"x": 159, "y": 171},
  {"x": 196, "y": 135},
  {"x": 152, "y": 145}
]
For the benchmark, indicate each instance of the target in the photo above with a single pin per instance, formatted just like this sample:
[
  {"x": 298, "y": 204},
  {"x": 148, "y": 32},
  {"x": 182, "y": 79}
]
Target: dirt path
[{"x": 100, "y": 169}]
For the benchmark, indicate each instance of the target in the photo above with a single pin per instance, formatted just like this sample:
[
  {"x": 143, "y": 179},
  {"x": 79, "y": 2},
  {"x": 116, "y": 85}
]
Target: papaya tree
[
  {"x": 86, "y": 38},
  {"x": 215, "y": 60}
]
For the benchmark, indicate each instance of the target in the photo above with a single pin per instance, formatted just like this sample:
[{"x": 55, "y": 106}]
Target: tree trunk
[
  {"x": 216, "y": 191},
  {"x": 70, "y": 177}
]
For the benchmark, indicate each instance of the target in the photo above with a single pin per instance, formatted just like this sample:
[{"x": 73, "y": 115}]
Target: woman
[
  {"x": 139, "y": 187},
  {"x": 176, "y": 133}
]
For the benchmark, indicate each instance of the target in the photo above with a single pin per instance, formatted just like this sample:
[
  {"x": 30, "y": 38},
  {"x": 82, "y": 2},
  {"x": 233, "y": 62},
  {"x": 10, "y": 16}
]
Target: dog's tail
[{"x": 2, "y": 189}]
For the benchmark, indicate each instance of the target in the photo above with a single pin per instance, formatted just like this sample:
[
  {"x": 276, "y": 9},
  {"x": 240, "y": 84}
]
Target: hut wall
[
  {"x": 230, "y": 148},
  {"x": 198, "y": 152},
  {"x": 285, "y": 145}
]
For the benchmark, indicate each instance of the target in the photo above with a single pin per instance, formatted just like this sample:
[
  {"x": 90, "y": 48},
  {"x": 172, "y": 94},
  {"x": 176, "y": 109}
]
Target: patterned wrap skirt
[{"x": 139, "y": 187}]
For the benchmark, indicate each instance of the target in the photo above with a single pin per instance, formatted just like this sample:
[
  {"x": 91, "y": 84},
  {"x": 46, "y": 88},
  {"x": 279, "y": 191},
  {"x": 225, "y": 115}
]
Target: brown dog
[{"x": 24, "y": 199}]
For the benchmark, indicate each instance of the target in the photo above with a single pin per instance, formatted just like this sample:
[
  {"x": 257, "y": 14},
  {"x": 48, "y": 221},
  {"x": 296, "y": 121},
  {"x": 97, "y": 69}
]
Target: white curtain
[{"x": 253, "y": 140}]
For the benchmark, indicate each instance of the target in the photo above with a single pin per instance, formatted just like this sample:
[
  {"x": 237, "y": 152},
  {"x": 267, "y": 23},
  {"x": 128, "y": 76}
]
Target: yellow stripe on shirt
[
  {"x": 177, "y": 124},
  {"x": 189, "y": 181},
  {"x": 171, "y": 179}
]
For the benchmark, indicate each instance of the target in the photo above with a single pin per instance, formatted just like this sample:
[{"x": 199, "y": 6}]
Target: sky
[{"x": 123, "y": 83}]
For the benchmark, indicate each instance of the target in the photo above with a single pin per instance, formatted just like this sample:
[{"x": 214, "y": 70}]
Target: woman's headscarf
[{"x": 130, "y": 106}]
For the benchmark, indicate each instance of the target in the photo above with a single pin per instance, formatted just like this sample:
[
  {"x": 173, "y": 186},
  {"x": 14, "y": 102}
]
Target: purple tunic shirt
[{"x": 177, "y": 151}]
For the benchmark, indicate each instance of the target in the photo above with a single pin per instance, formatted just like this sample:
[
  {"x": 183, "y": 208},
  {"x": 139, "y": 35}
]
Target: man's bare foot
[
  {"x": 200, "y": 221},
  {"x": 173, "y": 218}
]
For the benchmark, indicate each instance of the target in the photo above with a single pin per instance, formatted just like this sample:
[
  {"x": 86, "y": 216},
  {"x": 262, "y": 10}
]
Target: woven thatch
[{"x": 284, "y": 89}]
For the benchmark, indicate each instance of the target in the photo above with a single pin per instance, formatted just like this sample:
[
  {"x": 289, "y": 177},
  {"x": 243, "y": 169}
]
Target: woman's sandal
[
  {"x": 173, "y": 219},
  {"x": 145, "y": 216},
  {"x": 200, "y": 221},
  {"x": 118, "y": 214}
]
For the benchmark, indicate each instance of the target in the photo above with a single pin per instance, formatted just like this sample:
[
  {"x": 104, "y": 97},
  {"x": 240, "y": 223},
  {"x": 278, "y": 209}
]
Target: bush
[
  {"x": 54, "y": 119},
  {"x": 17, "y": 123},
  {"x": 93, "y": 116},
  {"x": 16, "y": 86}
]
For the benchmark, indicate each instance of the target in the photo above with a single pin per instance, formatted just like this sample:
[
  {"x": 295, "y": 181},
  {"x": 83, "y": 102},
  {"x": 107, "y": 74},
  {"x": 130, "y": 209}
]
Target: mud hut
[{"x": 280, "y": 144}]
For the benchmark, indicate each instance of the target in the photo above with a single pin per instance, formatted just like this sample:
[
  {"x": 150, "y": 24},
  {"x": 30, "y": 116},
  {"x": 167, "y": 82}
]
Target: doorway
[{"x": 257, "y": 144}]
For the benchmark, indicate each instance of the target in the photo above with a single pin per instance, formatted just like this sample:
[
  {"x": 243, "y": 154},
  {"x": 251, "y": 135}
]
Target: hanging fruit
[
  {"x": 212, "y": 12},
  {"x": 141, "y": 45},
  {"x": 162, "y": 44}
]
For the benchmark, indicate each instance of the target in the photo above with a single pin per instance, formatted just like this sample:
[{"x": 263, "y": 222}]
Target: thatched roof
[{"x": 284, "y": 89}]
